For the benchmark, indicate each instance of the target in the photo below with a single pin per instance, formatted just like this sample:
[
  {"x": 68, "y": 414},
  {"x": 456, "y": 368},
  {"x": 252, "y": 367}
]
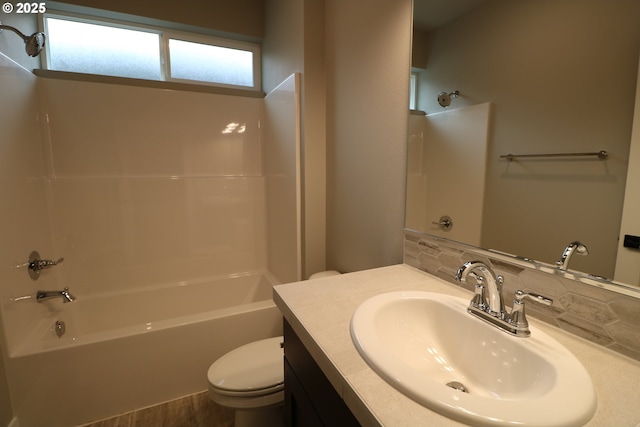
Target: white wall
[
  {"x": 137, "y": 187},
  {"x": 440, "y": 187},
  {"x": 368, "y": 66},
  {"x": 134, "y": 187},
  {"x": 24, "y": 224},
  {"x": 148, "y": 188},
  {"x": 19, "y": 136},
  {"x": 282, "y": 169}
]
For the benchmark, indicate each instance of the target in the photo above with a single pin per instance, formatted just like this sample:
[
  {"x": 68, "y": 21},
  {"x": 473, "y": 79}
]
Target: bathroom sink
[{"x": 428, "y": 347}]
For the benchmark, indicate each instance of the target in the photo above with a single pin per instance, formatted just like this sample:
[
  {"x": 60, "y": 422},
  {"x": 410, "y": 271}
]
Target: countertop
[{"x": 320, "y": 311}]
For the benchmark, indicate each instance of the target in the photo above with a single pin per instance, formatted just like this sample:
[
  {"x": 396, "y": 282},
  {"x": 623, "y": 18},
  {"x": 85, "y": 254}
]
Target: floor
[{"x": 196, "y": 410}]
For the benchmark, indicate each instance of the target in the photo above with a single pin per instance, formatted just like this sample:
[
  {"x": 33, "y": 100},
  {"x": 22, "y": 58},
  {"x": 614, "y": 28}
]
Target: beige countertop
[{"x": 320, "y": 312}]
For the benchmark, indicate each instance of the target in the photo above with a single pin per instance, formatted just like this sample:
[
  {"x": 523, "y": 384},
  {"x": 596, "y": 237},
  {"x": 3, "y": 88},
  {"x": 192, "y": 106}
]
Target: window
[
  {"x": 87, "y": 45},
  {"x": 413, "y": 91},
  {"x": 97, "y": 49},
  {"x": 204, "y": 62}
]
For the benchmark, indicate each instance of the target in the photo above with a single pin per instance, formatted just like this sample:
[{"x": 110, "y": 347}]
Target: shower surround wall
[
  {"x": 151, "y": 186},
  {"x": 144, "y": 187},
  {"x": 135, "y": 187},
  {"x": 23, "y": 218}
]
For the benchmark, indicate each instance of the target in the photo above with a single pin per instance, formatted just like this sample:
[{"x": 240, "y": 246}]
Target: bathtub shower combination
[
  {"x": 131, "y": 350},
  {"x": 108, "y": 317},
  {"x": 169, "y": 258}
]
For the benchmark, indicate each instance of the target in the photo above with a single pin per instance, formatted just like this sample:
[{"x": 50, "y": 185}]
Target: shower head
[
  {"x": 444, "y": 98},
  {"x": 34, "y": 43}
]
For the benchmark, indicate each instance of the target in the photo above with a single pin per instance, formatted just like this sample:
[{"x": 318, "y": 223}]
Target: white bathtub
[{"x": 130, "y": 350}]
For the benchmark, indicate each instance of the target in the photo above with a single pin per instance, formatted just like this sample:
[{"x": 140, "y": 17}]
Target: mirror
[{"x": 551, "y": 77}]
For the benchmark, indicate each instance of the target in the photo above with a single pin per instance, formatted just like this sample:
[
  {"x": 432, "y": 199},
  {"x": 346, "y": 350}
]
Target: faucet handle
[
  {"x": 520, "y": 296},
  {"x": 35, "y": 264},
  {"x": 518, "y": 316},
  {"x": 479, "y": 297}
]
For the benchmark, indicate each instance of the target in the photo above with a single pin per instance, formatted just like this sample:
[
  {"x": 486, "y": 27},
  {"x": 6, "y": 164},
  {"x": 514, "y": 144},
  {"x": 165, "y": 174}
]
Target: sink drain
[{"x": 458, "y": 386}]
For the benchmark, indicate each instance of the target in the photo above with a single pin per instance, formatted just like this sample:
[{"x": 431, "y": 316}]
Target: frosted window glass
[
  {"x": 413, "y": 91},
  {"x": 207, "y": 63},
  {"x": 97, "y": 49}
]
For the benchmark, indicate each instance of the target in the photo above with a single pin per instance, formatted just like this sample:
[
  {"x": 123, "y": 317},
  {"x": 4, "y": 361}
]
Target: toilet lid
[{"x": 254, "y": 366}]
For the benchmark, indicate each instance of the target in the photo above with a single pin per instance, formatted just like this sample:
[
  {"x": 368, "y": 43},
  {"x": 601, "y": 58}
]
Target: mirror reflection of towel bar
[{"x": 602, "y": 154}]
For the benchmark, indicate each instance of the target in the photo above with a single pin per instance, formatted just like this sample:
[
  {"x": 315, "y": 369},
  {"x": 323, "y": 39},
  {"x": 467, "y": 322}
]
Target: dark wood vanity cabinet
[{"x": 310, "y": 399}]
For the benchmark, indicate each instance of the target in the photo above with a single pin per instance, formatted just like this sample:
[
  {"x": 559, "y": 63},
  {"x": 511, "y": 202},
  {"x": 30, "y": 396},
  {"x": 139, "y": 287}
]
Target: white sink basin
[{"x": 419, "y": 342}]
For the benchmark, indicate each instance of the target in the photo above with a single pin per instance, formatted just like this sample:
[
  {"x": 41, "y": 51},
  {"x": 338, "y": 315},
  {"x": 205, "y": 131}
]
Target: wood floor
[{"x": 196, "y": 410}]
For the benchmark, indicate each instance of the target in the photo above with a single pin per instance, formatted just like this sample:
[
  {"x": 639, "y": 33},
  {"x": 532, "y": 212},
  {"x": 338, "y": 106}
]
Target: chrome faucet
[
  {"x": 573, "y": 247},
  {"x": 64, "y": 294},
  {"x": 488, "y": 303},
  {"x": 491, "y": 296}
]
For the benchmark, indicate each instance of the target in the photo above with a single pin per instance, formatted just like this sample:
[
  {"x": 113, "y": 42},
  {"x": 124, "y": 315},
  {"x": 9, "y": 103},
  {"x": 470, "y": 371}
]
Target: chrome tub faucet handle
[{"x": 35, "y": 264}]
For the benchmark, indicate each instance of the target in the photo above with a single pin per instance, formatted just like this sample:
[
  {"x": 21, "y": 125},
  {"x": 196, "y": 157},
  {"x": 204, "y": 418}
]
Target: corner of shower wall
[
  {"x": 437, "y": 143},
  {"x": 282, "y": 172}
]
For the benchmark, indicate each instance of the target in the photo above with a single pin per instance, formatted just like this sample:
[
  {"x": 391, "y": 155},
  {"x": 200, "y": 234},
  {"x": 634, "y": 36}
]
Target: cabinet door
[
  {"x": 298, "y": 409},
  {"x": 310, "y": 399}
]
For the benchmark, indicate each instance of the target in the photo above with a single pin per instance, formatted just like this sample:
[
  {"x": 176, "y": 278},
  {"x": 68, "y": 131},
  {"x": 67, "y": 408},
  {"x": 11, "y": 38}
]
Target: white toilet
[{"x": 250, "y": 379}]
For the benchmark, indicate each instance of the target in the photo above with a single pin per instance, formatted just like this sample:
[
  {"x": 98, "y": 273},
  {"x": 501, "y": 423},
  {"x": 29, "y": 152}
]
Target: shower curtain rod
[{"x": 602, "y": 154}]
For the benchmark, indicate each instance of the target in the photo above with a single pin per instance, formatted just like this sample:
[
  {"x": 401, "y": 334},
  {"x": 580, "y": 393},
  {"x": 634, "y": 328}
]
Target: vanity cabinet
[{"x": 309, "y": 398}]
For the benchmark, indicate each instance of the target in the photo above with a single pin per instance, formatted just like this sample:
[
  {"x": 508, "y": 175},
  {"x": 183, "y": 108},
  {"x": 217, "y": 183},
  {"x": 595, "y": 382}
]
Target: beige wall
[
  {"x": 12, "y": 45},
  {"x": 294, "y": 42},
  {"x": 562, "y": 79},
  {"x": 234, "y": 16},
  {"x": 282, "y": 48},
  {"x": 368, "y": 65},
  {"x": 244, "y": 18},
  {"x": 314, "y": 133},
  {"x": 628, "y": 260}
]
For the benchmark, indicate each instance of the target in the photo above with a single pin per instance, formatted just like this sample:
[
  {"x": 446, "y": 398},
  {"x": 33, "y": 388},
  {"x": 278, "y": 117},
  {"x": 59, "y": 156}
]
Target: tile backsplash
[{"x": 589, "y": 310}]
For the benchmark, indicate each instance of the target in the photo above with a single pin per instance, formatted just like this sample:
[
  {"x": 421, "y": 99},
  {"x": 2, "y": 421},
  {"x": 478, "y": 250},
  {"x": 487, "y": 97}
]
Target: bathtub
[{"x": 130, "y": 350}]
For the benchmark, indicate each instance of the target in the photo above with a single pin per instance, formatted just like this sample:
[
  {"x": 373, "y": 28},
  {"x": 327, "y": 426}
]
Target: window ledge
[{"x": 188, "y": 87}]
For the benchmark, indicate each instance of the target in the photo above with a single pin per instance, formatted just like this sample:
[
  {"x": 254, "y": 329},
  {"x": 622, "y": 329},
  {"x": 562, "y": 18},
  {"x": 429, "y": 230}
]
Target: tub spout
[{"x": 64, "y": 294}]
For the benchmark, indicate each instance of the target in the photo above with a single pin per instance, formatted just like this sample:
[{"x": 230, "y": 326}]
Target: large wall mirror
[{"x": 533, "y": 77}]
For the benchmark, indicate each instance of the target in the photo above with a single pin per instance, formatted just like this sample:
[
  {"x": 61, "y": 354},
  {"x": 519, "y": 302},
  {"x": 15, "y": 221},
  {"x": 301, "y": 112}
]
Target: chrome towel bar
[{"x": 602, "y": 154}]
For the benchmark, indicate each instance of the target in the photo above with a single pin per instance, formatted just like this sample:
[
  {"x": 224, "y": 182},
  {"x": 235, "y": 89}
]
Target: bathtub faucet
[{"x": 64, "y": 294}]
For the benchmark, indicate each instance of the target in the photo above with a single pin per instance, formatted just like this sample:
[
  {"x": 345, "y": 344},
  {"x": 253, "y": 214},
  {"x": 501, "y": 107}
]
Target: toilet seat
[
  {"x": 321, "y": 274},
  {"x": 254, "y": 369}
]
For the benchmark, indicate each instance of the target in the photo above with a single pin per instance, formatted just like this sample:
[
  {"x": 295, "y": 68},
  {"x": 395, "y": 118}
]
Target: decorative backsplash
[{"x": 607, "y": 318}]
